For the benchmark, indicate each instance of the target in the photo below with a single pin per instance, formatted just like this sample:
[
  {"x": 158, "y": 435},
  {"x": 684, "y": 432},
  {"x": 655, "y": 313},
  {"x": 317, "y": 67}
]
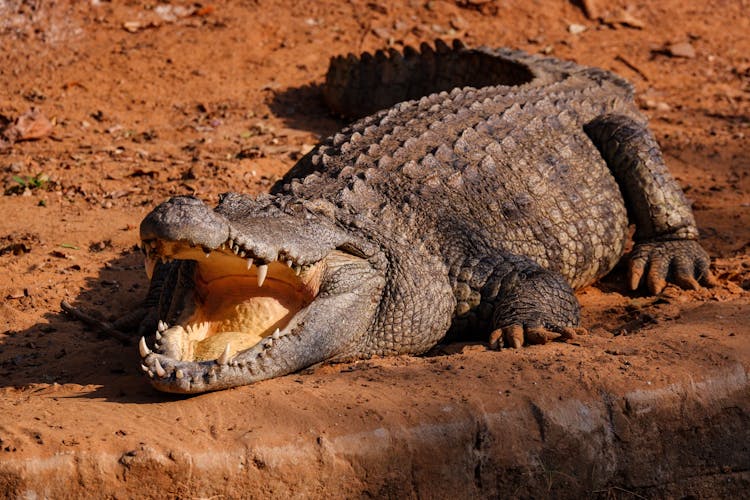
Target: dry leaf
[{"x": 30, "y": 126}]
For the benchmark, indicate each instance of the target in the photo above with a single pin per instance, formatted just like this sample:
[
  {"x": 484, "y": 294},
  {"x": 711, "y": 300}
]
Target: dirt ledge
[{"x": 347, "y": 431}]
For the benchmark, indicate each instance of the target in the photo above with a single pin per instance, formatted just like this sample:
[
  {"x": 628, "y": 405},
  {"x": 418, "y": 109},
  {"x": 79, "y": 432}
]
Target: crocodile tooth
[
  {"x": 159, "y": 370},
  {"x": 150, "y": 264},
  {"x": 262, "y": 272},
  {"x": 162, "y": 327},
  {"x": 224, "y": 358},
  {"x": 289, "y": 263},
  {"x": 143, "y": 348},
  {"x": 268, "y": 343},
  {"x": 144, "y": 368},
  {"x": 178, "y": 373},
  {"x": 158, "y": 336},
  {"x": 249, "y": 263},
  {"x": 208, "y": 254},
  {"x": 297, "y": 270},
  {"x": 223, "y": 246},
  {"x": 276, "y": 334}
]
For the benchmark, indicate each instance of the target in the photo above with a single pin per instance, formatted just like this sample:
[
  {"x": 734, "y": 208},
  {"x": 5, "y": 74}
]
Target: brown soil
[{"x": 147, "y": 101}]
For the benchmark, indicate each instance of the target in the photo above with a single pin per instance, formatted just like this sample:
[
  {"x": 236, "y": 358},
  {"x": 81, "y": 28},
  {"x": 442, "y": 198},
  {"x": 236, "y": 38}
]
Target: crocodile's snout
[{"x": 185, "y": 218}]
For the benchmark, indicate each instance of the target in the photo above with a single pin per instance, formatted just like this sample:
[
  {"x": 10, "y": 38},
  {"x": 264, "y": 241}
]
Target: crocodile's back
[{"x": 506, "y": 169}]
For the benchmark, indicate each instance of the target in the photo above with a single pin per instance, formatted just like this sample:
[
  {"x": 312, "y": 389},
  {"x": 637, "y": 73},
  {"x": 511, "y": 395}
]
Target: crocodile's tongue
[{"x": 179, "y": 345}]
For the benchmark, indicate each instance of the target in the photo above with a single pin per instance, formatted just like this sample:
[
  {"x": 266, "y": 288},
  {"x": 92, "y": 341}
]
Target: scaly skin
[{"x": 478, "y": 209}]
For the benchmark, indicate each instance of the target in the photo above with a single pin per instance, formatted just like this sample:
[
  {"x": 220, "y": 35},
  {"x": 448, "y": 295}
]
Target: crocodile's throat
[{"x": 236, "y": 301}]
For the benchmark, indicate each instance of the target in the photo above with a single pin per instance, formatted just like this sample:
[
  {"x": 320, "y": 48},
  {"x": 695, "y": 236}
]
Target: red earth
[{"x": 145, "y": 100}]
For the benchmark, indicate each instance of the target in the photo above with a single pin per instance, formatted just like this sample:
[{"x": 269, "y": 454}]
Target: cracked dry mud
[{"x": 149, "y": 103}]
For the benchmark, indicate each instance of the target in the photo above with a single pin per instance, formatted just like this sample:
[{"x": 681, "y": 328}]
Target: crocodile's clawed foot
[
  {"x": 516, "y": 335},
  {"x": 682, "y": 262}
]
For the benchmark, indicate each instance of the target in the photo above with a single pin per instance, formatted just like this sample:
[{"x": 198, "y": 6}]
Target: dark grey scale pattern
[
  {"x": 495, "y": 171},
  {"x": 510, "y": 194}
]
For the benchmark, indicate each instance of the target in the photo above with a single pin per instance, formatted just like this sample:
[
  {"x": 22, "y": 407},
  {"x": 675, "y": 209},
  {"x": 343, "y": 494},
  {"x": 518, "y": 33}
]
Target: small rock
[
  {"x": 382, "y": 33},
  {"x": 17, "y": 293},
  {"x": 131, "y": 26},
  {"x": 623, "y": 17},
  {"x": 459, "y": 23},
  {"x": 576, "y": 29},
  {"x": 683, "y": 49}
]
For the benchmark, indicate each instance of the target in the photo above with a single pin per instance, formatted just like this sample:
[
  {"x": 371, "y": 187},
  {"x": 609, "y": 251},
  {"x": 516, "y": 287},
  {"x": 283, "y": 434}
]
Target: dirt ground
[{"x": 147, "y": 99}]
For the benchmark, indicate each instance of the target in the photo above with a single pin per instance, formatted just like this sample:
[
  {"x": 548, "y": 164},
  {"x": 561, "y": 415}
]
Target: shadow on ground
[
  {"x": 303, "y": 108},
  {"x": 61, "y": 350}
]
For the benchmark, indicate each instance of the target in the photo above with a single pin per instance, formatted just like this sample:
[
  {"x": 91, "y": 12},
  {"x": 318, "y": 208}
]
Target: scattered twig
[
  {"x": 95, "y": 323},
  {"x": 632, "y": 66}
]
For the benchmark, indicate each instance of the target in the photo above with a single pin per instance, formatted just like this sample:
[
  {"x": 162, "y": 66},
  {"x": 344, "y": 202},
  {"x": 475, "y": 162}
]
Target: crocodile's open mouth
[{"x": 236, "y": 300}]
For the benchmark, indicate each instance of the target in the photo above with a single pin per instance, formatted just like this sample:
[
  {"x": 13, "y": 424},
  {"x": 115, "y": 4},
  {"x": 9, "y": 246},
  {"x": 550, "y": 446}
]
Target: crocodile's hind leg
[{"x": 666, "y": 246}]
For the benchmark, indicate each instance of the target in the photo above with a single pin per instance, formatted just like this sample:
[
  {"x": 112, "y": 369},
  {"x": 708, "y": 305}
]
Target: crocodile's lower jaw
[{"x": 235, "y": 303}]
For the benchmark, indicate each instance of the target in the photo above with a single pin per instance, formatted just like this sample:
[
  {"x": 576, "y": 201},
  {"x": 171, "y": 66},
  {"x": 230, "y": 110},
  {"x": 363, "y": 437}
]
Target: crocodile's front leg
[
  {"x": 535, "y": 305},
  {"x": 517, "y": 300},
  {"x": 666, "y": 235}
]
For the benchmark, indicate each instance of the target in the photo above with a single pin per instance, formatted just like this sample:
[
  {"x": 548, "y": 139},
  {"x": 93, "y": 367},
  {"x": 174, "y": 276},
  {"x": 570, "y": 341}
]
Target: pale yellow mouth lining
[{"x": 236, "y": 303}]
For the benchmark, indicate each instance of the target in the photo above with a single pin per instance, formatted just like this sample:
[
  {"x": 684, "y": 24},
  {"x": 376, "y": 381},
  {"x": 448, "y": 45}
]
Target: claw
[
  {"x": 637, "y": 267},
  {"x": 656, "y": 284},
  {"x": 513, "y": 336},
  {"x": 496, "y": 339},
  {"x": 540, "y": 335}
]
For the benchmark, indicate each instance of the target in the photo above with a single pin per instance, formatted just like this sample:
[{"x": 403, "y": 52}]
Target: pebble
[
  {"x": 576, "y": 29},
  {"x": 683, "y": 49}
]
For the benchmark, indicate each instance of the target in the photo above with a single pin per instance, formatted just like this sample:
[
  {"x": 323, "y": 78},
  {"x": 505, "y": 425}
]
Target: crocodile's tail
[{"x": 359, "y": 86}]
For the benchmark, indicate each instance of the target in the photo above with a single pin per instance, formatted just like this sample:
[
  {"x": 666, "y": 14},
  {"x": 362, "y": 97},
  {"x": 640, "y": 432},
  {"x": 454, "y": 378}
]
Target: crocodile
[{"x": 476, "y": 189}]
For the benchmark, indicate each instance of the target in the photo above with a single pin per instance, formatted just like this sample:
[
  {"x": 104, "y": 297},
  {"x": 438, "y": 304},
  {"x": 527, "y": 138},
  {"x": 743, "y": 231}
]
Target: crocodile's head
[{"x": 250, "y": 291}]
